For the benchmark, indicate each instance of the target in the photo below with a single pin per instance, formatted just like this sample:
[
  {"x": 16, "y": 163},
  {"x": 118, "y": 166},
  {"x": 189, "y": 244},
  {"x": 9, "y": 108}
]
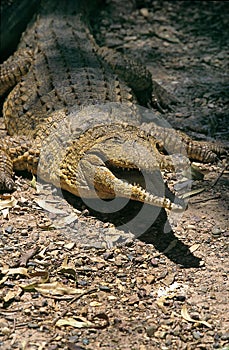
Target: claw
[{"x": 6, "y": 184}]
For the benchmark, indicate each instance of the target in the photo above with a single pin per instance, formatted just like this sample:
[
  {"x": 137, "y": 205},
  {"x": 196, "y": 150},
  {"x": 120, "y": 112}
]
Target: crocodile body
[{"x": 73, "y": 116}]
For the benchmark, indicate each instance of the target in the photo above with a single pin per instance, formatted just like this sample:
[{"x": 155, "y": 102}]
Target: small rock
[
  {"x": 211, "y": 105},
  {"x": 9, "y": 229},
  {"x": 151, "y": 330},
  {"x": 85, "y": 341},
  {"x": 225, "y": 336},
  {"x": 154, "y": 262},
  {"x": 176, "y": 330},
  {"x": 191, "y": 227},
  {"x": 33, "y": 325},
  {"x": 24, "y": 232},
  {"x": 180, "y": 297},
  {"x": 121, "y": 275},
  {"x": 195, "y": 315},
  {"x": 130, "y": 38},
  {"x": 197, "y": 335},
  {"x": 69, "y": 245},
  {"x": 133, "y": 299},
  {"x": 160, "y": 334},
  {"x": 118, "y": 261},
  {"x": 168, "y": 340},
  {"x": 104, "y": 288},
  {"x": 144, "y": 12},
  {"x": 150, "y": 279},
  {"x": 73, "y": 338},
  {"x": 5, "y": 330},
  {"x": 216, "y": 231},
  {"x": 108, "y": 255},
  {"x": 82, "y": 283}
]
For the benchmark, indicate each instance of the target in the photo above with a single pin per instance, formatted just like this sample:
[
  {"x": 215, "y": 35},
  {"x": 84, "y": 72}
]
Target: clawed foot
[
  {"x": 6, "y": 184},
  {"x": 162, "y": 100}
]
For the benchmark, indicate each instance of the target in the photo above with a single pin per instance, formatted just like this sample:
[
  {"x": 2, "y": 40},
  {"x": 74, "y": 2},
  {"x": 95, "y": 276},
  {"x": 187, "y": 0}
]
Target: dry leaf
[
  {"x": 70, "y": 219},
  {"x": 192, "y": 193},
  {"x": 48, "y": 207},
  {"x": 5, "y": 213},
  {"x": 26, "y": 256},
  {"x": 79, "y": 322},
  {"x": 39, "y": 277},
  {"x": 194, "y": 247},
  {"x": 41, "y": 254},
  {"x": 169, "y": 279},
  {"x": 187, "y": 317},
  {"x": 67, "y": 268},
  {"x": 54, "y": 288},
  {"x": 12, "y": 294},
  {"x": 4, "y": 279},
  {"x": 95, "y": 303},
  {"x": 8, "y": 203},
  {"x": 15, "y": 271},
  {"x": 160, "y": 302},
  {"x": 33, "y": 183},
  {"x": 69, "y": 245}
]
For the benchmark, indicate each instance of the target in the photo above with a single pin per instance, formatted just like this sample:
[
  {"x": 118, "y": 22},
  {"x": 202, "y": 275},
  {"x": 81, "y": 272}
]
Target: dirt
[{"x": 75, "y": 278}]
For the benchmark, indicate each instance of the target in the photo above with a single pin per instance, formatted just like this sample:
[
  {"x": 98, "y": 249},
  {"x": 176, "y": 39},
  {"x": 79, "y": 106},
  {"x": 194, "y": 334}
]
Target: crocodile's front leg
[
  {"x": 138, "y": 77},
  {"x": 6, "y": 171},
  {"x": 174, "y": 141},
  {"x": 16, "y": 153}
]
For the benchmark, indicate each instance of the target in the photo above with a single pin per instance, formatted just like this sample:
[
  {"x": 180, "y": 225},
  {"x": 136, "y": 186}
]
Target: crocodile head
[{"x": 118, "y": 160}]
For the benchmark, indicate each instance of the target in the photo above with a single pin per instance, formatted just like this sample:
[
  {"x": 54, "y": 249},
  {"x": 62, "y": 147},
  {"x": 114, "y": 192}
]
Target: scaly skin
[{"x": 73, "y": 118}]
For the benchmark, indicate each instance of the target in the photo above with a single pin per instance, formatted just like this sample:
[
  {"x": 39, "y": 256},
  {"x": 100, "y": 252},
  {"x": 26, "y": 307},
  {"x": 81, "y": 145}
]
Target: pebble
[
  {"x": 216, "y": 231},
  {"x": 24, "y": 232},
  {"x": 160, "y": 334},
  {"x": 9, "y": 229},
  {"x": 195, "y": 315},
  {"x": 144, "y": 12},
  {"x": 176, "y": 330},
  {"x": 5, "y": 330},
  {"x": 197, "y": 335},
  {"x": 151, "y": 330},
  {"x": 33, "y": 325},
  {"x": 85, "y": 341},
  {"x": 180, "y": 297},
  {"x": 150, "y": 279},
  {"x": 73, "y": 338},
  {"x": 225, "y": 336},
  {"x": 108, "y": 255},
  {"x": 168, "y": 340},
  {"x": 154, "y": 262},
  {"x": 121, "y": 275},
  {"x": 82, "y": 283},
  {"x": 104, "y": 288},
  {"x": 130, "y": 38},
  {"x": 211, "y": 105}
]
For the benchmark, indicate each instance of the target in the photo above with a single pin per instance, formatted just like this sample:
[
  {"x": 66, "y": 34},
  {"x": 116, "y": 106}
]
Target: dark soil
[{"x": 166, "y": 289}]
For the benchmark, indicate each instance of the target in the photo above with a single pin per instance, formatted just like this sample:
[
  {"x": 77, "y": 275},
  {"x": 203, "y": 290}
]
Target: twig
[
  {"x": 219, "y": 176},
  {"x": 205, "y": 199},
  {"x": 63, "y": 313}
]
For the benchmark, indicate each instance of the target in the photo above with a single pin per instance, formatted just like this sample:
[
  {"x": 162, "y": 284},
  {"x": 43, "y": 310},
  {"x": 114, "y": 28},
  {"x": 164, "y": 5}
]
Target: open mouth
[{"x": 148, "y": 183}]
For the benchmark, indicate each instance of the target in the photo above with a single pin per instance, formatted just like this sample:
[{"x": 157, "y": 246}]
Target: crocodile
[{"x": 74, "y": 113}]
